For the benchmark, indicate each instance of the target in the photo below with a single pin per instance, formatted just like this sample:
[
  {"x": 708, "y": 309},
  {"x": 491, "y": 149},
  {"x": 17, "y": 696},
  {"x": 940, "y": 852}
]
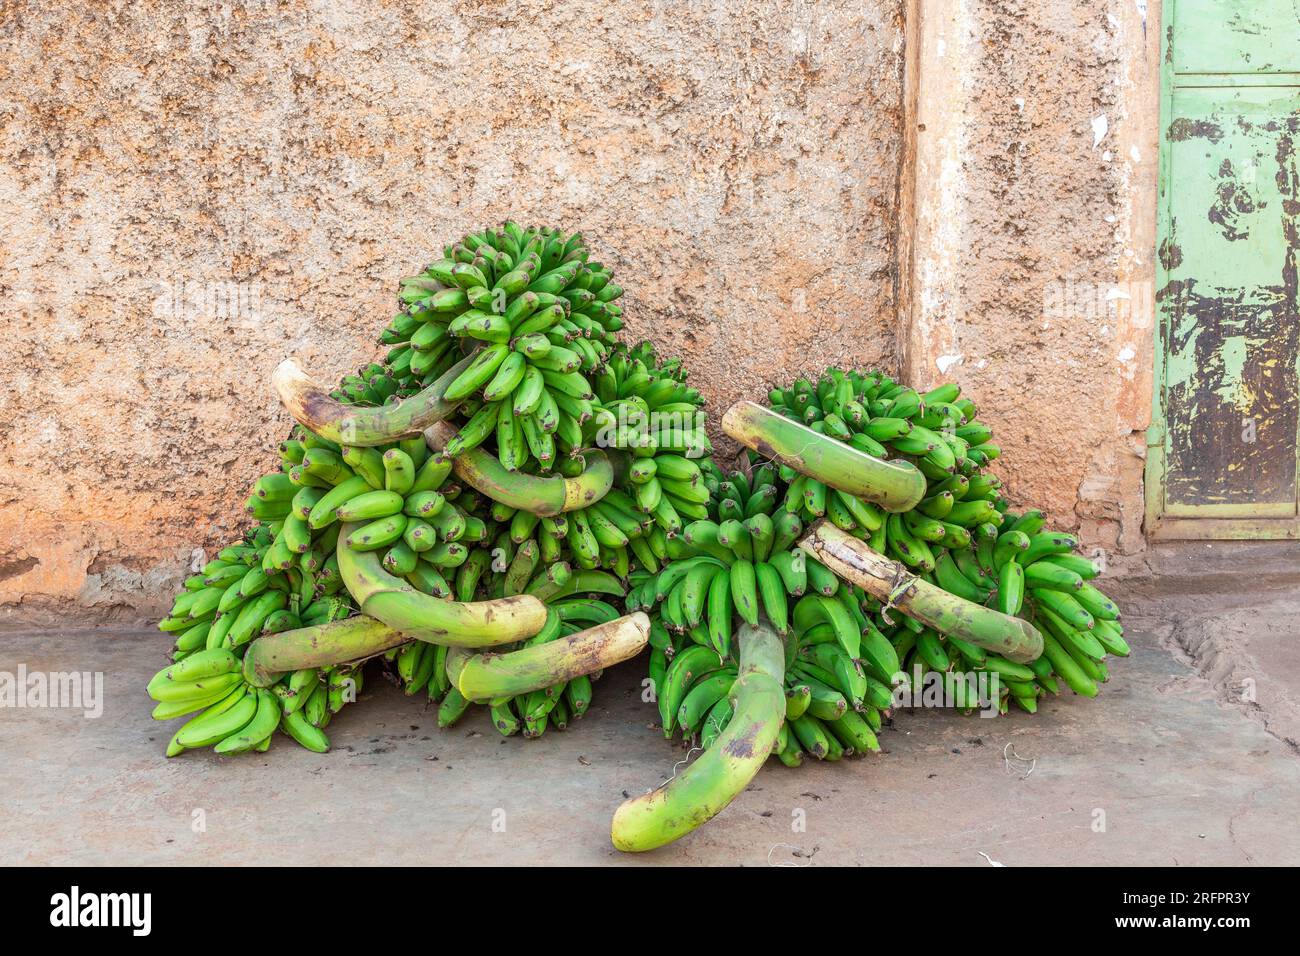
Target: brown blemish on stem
[{"x": 742, "y": 746}]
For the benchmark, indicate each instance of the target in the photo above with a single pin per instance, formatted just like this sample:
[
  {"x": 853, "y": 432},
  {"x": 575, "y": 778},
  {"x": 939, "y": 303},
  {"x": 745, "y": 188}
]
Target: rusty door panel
[
  {"x": 1224, "y": 444},
  {"x": 1229, "y": 304}
]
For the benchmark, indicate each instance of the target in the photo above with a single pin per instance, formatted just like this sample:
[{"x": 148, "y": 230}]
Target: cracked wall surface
[{"x": 193, "y": 191}]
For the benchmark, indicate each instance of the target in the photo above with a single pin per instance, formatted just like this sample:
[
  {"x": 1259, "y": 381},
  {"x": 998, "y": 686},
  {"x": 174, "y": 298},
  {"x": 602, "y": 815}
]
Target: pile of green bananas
[
  {"x": 742, "y": 565},
  {"x": 511, "y": 473},
  {"x": 1027, "y": 571},
  {"x": 960, "y": 537},
  {"x": 481, "y": 533},
  {"x": 538, "y": 317},
  {"x": 845, "y": 652}
]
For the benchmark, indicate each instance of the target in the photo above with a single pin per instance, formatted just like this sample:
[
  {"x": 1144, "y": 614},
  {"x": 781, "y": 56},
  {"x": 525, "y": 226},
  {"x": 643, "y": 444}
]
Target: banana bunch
[
  {"x": 839, "y": 676},
  {"x": 648, "y": 410},
  {"x": 876, "y": 415},
  {"x": 217, "y": 615},
  {"x": 745, "y": 566},
  {"x": 429, "y": 667},
  {"x": 237, "y": 717},
  {"x": 379, "y": 384},
  {"x": 538, "y": 317},
  {"x": 884, "y": 419},
  {"x": 657, "y": 487},
  {"x": 738, "y": 564},
  {"x": 960, "y": 536},
  {"x": 398, "y": 494},
  {"x": 609, "y": 534},
  {"x": 237, "y": 596},
  {"x": 1024, "y": 570},
  {"x": 834, "y": 703}
]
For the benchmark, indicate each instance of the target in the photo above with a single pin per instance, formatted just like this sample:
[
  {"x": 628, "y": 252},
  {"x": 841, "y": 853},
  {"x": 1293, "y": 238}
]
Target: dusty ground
[{"x": 1170, "y": 765}]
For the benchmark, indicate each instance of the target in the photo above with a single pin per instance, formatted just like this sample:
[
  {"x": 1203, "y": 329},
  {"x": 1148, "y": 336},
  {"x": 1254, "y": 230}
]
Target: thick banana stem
[
  {"x": 457, "y": 658},
  {"x": 485, "y": 676},
  {"x": 894, "y": 485},
  {"x": 889, "y": 581},
  {"x": 438, "y": 434},
  {"x": 541, "y": 496},
  {"x": 312, "y": 407},
  {"x": 427, "y": 618},
  {"x": 580, "y": 582},
  {"x": 321, "y": 645},
  {"x": 704, "y": 789}
]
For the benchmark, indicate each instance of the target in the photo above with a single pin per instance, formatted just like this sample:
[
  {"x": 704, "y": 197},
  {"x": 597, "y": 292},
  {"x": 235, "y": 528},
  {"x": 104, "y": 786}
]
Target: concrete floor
[{"x": 1168, "y": 766}]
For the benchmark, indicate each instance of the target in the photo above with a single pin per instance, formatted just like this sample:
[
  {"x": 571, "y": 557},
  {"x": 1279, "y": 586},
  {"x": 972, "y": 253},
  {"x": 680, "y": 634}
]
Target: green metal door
[{"x": 1223, "y": 446}]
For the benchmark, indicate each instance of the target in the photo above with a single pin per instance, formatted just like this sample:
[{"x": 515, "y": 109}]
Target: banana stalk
[
  {"x": 705, "y": 788},
  {"x": 580, "y": 582},
  {"x": 321, "y": 645},
  {"x": 890, "y": 582},
  {"x": 894, "y": 485},
  {"x": 421, "y": 616},
  {"x": 313, "y": 408},
  {"x": 486, "y": 676},
  {"x": 543, "y": 496}
]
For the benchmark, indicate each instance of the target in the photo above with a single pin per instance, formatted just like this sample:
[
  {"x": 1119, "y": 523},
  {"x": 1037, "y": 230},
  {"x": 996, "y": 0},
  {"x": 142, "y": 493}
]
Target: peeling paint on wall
[{"x": 1099, "y": 128}]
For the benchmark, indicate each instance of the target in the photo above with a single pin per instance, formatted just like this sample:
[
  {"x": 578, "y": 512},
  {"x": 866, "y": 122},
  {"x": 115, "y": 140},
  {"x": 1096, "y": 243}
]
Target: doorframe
[{"x": 1159, "y": 525}]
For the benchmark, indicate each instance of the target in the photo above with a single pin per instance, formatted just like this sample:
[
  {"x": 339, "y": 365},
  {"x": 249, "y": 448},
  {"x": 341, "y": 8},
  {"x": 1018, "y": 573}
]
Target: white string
[
  {"x": 673, "y": 776},
  {"x": 903, "y": 580},
  {"x": 1006, "y": 761},
  {"x": 788, "y": 846}
]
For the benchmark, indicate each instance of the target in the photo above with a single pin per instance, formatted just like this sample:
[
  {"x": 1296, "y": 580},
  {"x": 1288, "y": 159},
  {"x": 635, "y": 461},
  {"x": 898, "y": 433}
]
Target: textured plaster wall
[
  {"x": 1031, "y": 242},
  {"x": 189, "y": 192}
]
